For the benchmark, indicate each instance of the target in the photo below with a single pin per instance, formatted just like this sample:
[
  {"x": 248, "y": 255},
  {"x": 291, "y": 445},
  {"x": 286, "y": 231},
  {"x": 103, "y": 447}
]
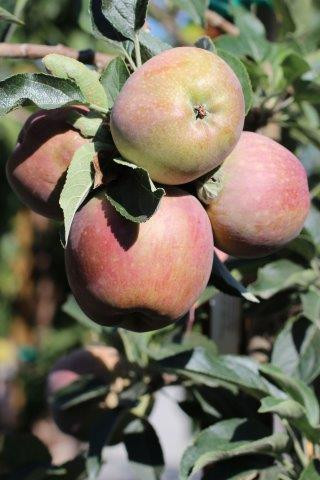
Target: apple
[
  {"x": 262, "y": 200},
  {"x": 179, "y": 115},
  {"x": 103, "y": 364},
  {"x": 139, "y": 277},
  {"x": 37, "y": 168}
]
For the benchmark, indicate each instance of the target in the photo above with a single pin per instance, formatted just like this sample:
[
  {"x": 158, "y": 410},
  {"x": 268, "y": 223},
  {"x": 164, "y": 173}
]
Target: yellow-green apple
[
  {"x": 140, "y": 277},
  {"x": 104, "y": 365},
  {"x": 37, "y": 168},
  {"x": 179, "y": 115},
  {"x": 262, "y": 200}
]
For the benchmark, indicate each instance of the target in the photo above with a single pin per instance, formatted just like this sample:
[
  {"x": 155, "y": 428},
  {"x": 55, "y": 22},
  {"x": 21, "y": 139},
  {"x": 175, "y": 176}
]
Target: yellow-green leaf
[
  {"x": 78, "y": 183},
  {"x": 86, "y": 79}
]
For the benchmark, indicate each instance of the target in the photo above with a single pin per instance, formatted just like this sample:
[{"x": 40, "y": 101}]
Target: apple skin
[
  {"x": 263, "y": 201},
  {"x": 154, "y": 123},
  {"x": 37, "y": 168},
  {"x": 139, "y": 277},
  {"x": 103, "y": 363}
]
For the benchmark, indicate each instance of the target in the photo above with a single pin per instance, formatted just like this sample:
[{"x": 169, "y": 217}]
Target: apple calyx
[
  {"x": 200, "y": 111},
  {"x": 209, "y": 189}
]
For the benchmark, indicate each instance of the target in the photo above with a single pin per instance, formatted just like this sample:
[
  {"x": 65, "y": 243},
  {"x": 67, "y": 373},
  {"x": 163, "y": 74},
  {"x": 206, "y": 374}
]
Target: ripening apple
[
  {"x": 101, "y": 362},
  {"x": 139, "y": 277},
  {"x": 37, "y": 168},
  {"x": 262, "y": 200},
  {"x": 179, "y": 115}
]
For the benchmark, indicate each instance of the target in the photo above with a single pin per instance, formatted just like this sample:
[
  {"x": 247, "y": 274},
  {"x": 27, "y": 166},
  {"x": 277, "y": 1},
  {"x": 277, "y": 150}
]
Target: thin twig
[
  {"x": 216, "y": 20},
  {"x": 33, "y": 51}
]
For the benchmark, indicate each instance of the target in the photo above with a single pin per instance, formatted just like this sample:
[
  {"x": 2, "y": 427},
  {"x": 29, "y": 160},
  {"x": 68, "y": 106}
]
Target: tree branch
[
  {"x": 216, "y": 20},
  {"x": 33, "y": 52}
]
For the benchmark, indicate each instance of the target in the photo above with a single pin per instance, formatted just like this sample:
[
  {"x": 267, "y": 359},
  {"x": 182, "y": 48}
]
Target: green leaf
[
  {"x": 86, "y": 79},
  {"x": 133, "y": 193},
  {"x": 280, "y": 275},
  {"x": 195, "y": 339},
  {"x": 205, "y": 405},
  {"x": 195, "y": 9},
  {"x": 297, "y": 390},
  {"x": 303, "y": 246},
  {"x": 229, "y": 439},
  {"x": 88, "y": 125},
  {"x": 294, "y": 66},
  {"x": 81, "y": 390},
  {"x": 206, "y": 44},
  {"x": 287, "y": 66},
  {"x": 143, "y": 449},
  {"x": 285, "y": 408},
  {"x": 70, "y": 307},
  {"x": 206, "y": 295},
  {"x": 312, "y": 224},
  {"x": 113, "y": 78},
  {"x": 118, "y": 19},
  {"x": 292, "y": 411},
  {"x": 311, "y": 305},
  {"x": 161, "y": 346},
  {"x": 10, "y": 6},
  {"x": 150, "y": 45},
  {"x": 307, "y": 91},
  {"x": 9, "y": 17},
  {"x": 239, "y": 371},
  {"x": 242, "y": 45},
  {"x": 241, "y": 72},
  {"x": 297, "y": 349},
  {"x": 247, "y": 22},
  {"x": 311, "y": 472},
  {"x": 44, "y": 91},
  {"x": 135, "y": 345},
  {"x": 78, "y": 183},
  {"x": 226, "y": 283}
]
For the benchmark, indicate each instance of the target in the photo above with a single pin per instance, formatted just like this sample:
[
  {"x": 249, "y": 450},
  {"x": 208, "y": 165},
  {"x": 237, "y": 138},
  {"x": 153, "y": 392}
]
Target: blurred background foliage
[{"x": 279, "y": 43}]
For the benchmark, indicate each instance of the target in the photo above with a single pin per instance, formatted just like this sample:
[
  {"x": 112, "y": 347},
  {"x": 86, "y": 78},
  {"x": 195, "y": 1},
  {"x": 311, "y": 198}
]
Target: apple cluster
[{"x": 180, "y": 117}]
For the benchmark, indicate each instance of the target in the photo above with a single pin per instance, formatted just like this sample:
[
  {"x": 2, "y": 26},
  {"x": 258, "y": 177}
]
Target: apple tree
[{"x": 147, "y": 155}]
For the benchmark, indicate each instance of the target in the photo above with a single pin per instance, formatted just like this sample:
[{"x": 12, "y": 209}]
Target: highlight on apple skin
[
  {"x": 263, "y": 198},
  {"x": 139, "y": 277},
  {"x": 37, "y": 168},
  {"x": 179, "y": 115}
]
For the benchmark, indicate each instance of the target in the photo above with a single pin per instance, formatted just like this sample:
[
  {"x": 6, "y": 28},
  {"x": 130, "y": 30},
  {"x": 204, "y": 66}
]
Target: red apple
[
  {"x": 263, "y": 199},
  {"x": 139, "y": 277},
  {"x": 37, "y": 168},
  {"x": 103, "y": 364}
]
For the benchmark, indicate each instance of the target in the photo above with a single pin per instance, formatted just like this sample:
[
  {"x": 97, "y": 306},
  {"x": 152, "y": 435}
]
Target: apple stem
[{"x": 200, "y": 111}]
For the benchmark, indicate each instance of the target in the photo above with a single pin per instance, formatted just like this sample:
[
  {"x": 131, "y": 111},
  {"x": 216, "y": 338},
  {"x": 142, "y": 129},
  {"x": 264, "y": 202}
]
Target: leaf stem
[
  {"x": 137, "y": 50},
  {"x": 92, "y": 106},
  {"x": 298, "y": 449},
  {"x": 131, "y": 62}
]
